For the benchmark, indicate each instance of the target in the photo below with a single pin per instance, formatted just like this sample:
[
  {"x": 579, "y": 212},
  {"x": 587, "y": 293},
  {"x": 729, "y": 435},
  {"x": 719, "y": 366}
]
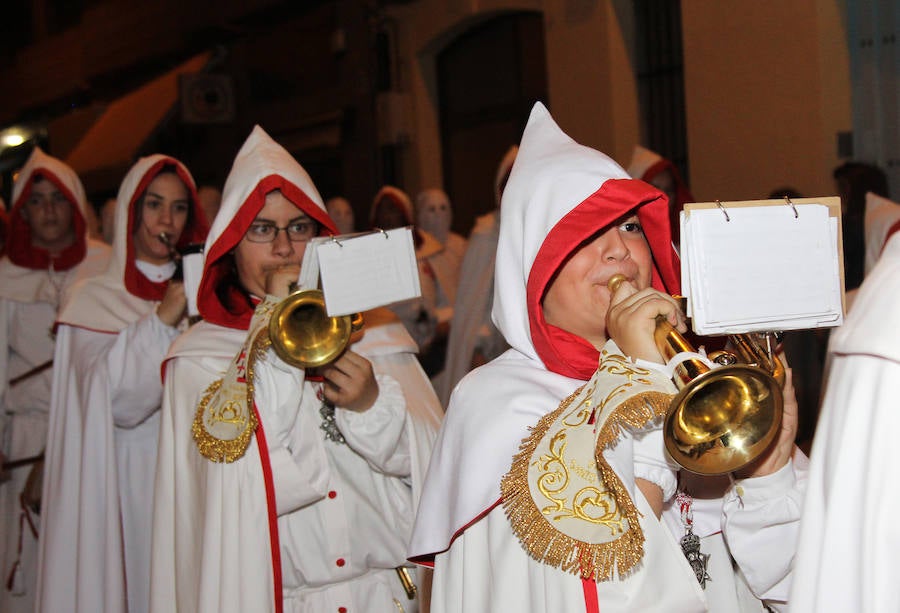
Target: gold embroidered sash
[
  {"x": 225, "y": 420},
  {"x": 566, "y": 505}
]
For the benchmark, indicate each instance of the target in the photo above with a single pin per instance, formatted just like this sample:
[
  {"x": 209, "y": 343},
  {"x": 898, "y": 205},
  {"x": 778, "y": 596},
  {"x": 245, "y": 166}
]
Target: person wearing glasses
[
  {"x": 280, "y": 488},
  {"x": 113, "y": 331}
]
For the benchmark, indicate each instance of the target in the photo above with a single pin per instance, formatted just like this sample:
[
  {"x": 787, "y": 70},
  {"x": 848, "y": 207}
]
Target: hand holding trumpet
[
  {"x": 631, "y": 320},
  {"x": 174, "y": 303}
]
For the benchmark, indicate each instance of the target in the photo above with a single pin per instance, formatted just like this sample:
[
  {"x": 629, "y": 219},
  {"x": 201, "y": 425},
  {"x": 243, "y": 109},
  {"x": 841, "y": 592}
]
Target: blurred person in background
[
  {"x": 434, "y": 215},
  {"x": 392, "y": 208},
  {"x": 474, "y": 339},
  {"x": 853, "y": 181},
  {"x": 662, "y": 174},
  {"x": 341, "y": 212},
  {"x": 47, "y": 250}
]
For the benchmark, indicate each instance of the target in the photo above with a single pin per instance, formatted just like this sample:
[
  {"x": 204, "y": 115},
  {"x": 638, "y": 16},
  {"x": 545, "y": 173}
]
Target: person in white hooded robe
[
  {"x": 288, "y": 493},
  {"x": 565, "y": 518},
  {"x": 474, "y": 339},
  {"x": 47, "y": 251},
  {"x": 846, "y": 564},
  {"x": 434, "y": 214},
  {"x": 113, "y": 332}
]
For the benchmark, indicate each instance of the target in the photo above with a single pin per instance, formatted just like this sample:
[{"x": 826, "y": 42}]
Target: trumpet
[
  {"x": 304, "y": 335},
  {"x": 166, "y": 240},
  {"x": 722, "y": 418}
]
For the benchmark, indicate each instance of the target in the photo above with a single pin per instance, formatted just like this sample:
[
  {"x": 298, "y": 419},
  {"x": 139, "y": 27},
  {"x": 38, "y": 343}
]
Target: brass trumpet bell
[
  {"x": 304, "y": 335},
  {"x": 722, "y": 418}
]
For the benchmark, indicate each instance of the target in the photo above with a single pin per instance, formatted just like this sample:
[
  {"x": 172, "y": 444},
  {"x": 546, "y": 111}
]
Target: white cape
[{"x": 849, "y": 535}]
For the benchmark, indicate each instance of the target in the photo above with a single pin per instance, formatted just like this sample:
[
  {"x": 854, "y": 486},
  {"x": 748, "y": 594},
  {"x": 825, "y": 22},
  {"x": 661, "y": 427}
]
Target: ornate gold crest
[
  {"x": 225, "y": 420},
  {"x": 566, "y": 505}
]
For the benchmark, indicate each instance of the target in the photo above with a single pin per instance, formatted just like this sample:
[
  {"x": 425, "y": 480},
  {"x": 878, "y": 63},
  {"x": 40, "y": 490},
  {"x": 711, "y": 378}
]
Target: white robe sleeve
[
  {"x": 379, "y": 434},
  {"x": 300, "y": 469},
  {"x": 761, "y": 518},
  {"x": 419, "y": 419},
  {"x": 132, "y": 360}
]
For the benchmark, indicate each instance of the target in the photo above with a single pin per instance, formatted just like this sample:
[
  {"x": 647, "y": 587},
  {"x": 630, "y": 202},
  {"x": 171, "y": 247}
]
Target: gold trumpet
[
  {"x": 722, "y": 418},
  {"x": 304, "y": 335}
]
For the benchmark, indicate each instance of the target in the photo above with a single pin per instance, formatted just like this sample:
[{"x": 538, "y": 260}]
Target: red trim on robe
[
  {"x": 274, "y": 542},
  {"x": 591, "y": 601},
  {"x": 428, "y": 558},
  {"x": 18, "y": 245}
]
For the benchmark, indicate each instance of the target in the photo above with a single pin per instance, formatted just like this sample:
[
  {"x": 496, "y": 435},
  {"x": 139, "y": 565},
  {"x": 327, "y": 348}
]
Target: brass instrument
[
  {"x": 722, "y": 418},
  {"x": 302, "y": 333},
  {"x": 174, "y": 255},
  {"x": 178, "y": 257}
]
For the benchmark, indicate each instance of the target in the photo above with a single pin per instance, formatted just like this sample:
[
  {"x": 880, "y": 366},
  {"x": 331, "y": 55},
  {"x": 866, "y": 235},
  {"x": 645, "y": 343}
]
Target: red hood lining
[
  {"x": 194, "y": 231},
  {"x": 221, "y": 300},
  {"x": 18, "y": 246},
  {"x": 563, "y": 352}
]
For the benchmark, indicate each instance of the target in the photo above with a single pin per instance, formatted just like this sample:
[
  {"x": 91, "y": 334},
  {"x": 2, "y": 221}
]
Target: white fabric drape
[{"x": 849, "y": 534}]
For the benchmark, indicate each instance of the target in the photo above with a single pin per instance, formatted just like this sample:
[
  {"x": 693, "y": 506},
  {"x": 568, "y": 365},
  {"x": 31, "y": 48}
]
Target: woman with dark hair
[
  {"x": 113, "y": 332},
  {"x": 282, "y": 489}
]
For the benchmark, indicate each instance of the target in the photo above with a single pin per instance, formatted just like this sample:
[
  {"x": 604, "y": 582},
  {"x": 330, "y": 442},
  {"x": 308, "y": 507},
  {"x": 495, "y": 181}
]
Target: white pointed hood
[
  {"x": 111, "y": 301},
  {"x": 559, "y": 194},
  {"x": 23, "y": 266},
  {"x": 261, "y": 166}
]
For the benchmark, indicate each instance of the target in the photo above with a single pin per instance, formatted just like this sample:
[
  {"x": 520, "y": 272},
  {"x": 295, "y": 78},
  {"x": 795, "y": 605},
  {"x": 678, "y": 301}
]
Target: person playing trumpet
[
  {"x": 549, "y": 477},
  {"x": 278, "y": 490},
  {"x": 113, "y": 332}
]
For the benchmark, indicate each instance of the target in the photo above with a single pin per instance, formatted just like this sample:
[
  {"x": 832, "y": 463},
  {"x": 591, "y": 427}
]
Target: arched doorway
[{"x": 488, "y": 79}]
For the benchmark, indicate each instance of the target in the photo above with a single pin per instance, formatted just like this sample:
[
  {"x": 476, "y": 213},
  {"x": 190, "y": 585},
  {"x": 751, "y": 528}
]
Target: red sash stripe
[{"x": 274, "y": 542}]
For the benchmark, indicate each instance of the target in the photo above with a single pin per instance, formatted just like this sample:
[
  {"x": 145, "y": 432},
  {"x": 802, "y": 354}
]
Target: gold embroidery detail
[
  {"x": 237, "y": 412},
  {"x": 552, "y": 482},
  {"x": 607, "y": 504}
]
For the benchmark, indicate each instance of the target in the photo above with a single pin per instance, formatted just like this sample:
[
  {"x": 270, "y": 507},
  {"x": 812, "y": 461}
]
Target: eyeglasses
[{"x": 297, "y": 231}]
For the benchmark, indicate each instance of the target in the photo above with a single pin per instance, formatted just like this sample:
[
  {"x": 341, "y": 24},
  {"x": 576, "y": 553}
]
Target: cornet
[
  {"x": 304, "y": 335},
  {"x": 722, "y": 418}
]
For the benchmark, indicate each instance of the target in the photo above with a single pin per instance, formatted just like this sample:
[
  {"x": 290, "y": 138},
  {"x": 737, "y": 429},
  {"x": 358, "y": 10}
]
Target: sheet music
[
  {"x": 364, "y": 271},
  {"x": 761, "y": 268}
]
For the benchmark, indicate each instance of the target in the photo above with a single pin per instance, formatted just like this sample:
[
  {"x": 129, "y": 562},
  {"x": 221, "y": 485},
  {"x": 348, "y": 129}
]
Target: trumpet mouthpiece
[{"x": 615, "y": 281}]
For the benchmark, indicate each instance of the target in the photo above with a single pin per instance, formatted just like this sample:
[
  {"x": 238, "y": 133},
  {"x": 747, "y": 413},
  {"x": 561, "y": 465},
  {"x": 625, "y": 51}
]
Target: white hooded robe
[
  {"x": 849, "y": 534},
  {"x": 101, "y": 453},
  {"x": 297, "y": 522},
  {"x": 29, "y": 299}
]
